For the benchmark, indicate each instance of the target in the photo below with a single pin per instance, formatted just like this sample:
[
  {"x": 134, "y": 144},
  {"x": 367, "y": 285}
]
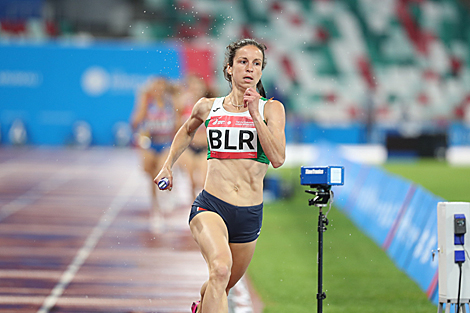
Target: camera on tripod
[{"x": 321, "y": 179}]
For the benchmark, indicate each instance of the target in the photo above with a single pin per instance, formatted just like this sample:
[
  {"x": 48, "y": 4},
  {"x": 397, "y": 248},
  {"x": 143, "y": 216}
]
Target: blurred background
[{"x": 392, "y": 73}]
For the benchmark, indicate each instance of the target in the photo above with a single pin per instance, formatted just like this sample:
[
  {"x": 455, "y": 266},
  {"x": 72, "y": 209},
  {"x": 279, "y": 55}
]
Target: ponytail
[{"x": 261, "y": 90}]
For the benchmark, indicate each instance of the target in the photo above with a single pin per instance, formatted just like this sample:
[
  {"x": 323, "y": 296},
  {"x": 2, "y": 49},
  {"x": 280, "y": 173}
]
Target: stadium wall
[{"x": 51, "y": 86}]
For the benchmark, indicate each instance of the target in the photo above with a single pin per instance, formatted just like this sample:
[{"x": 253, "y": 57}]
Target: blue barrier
[
  {"x": 314, "y": 133},
  {"x": 459, "y": 134},
  {"x": 403, "y": 241},
  {"x": 343, "y": 194},
  {"x": 422, "y": 268},
  {"x": 51, "y": 86}
]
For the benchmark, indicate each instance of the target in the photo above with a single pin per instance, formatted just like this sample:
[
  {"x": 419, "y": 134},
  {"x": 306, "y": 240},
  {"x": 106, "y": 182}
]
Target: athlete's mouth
[{"x": 248, "y": 78}]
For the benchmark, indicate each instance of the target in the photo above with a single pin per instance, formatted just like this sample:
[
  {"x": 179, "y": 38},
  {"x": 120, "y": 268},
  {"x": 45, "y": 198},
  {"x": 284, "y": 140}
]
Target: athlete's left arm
[{"x": 271, "y": 135}]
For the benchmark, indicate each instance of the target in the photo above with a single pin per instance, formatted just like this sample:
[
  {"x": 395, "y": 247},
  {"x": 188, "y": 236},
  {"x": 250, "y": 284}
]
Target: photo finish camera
[
  {"x": 323, "y": 175},
  {"x": 321, "y": 178}
]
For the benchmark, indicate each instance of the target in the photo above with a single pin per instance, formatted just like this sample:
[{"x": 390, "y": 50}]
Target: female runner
[
  {"x": 245, "y": 133},
  {"x": 154, "y": 119}
]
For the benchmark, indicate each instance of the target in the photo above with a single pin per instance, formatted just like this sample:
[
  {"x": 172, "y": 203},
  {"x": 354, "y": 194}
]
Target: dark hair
[{"x": 230, "y": 55}]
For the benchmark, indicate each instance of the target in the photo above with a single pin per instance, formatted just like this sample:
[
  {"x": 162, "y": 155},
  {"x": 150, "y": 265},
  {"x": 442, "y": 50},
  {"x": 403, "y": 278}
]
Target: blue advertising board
[
  {"x": 51, "y": 86},
  {"x": 422, "y": 266}
]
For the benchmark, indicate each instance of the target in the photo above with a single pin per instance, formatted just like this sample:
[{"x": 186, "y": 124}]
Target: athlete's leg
[
  {"x": 210, "y": 233},
  {"x": 159, "y": 212},
  {"x": 149, "y": 166},
  {"x": 152, "y": 162},
  {"x": 242, "y": 253}
]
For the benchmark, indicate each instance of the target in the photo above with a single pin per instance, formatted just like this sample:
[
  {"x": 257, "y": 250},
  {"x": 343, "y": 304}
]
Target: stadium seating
[{"x": 394, "y": 63}]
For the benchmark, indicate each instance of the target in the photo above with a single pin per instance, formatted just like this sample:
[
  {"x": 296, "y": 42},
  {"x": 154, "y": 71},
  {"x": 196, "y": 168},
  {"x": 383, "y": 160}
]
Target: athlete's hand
[
  {"x": 251, "y": 100},
  {"x": 165, "y": 173}
]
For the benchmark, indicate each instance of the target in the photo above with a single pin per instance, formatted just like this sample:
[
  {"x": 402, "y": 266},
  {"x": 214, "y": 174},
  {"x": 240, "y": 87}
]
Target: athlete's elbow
[{"x": 278, "y": 162}]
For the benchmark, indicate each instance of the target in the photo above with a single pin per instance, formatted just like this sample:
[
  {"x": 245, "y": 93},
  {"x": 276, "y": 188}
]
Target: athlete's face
[
  {"x": 158, "y": 87},
  {"x": 247, "y": 66}
]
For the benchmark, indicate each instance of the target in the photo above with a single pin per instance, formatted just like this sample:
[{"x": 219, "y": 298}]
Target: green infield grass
[{"x": 358, "y": 275}]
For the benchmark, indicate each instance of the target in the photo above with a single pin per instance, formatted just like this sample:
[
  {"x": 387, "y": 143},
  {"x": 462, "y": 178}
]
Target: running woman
[
  {"x": 245, "y": 132},
  {"x": 154, "y": 120}
]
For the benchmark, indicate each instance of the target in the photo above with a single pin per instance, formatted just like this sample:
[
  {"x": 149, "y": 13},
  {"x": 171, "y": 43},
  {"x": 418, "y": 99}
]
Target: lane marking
[
  {"x": 127, "y": 190},
  {"x": 239, "y": 298}
]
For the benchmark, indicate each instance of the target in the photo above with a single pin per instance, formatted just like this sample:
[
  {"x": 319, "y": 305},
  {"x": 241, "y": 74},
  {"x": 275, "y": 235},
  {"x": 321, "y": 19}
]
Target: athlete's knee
[
  {"x": 220, "y": 270},
  {"x": 203, "y": 289}
]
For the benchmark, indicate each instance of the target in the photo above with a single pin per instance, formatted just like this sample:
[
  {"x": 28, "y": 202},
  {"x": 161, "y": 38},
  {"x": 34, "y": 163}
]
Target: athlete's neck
[{"x": 234, "y": 100}]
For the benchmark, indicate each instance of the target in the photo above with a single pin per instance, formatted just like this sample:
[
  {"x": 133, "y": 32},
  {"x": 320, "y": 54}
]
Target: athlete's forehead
[{"x": 249, "y": 52}]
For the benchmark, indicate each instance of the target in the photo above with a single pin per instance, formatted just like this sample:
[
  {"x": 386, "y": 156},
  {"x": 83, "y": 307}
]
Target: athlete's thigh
[
  {"x": 160, "y": 158},
  {"x": 186, "y": 160},
  {"x": 210, "y": 233},
  {"x": 149, "y": 160},
  {"x": 242, "y": 253}
]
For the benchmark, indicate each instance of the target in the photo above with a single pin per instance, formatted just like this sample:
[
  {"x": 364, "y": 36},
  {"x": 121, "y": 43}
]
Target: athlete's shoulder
[
  {"x": 208, "y": 101},
  {"x": 270, "y": 100},
  {"x": 203, "y": 106},
  {"x": 274, "y": 109},
  {"x": 273, "y": 103}
]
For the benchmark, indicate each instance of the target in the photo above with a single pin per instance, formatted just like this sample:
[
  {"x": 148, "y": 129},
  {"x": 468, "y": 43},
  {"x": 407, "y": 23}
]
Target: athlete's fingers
[
  {"x": 164, "y": 180},
  {"x": 251, "y": 92}
]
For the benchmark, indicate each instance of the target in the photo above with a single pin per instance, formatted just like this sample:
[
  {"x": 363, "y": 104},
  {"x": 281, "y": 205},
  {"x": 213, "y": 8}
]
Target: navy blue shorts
[
  {"x": 159, "y": 147},
  {"x": 243, "y": 222}
]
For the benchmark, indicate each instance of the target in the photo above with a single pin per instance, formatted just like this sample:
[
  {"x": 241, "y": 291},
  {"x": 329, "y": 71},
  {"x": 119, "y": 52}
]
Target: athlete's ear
[{"x": 229, "y": 69}]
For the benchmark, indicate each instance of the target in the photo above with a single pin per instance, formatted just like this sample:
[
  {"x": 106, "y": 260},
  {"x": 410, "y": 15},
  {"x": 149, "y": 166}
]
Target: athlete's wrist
[{"x": 256, "y": 117}]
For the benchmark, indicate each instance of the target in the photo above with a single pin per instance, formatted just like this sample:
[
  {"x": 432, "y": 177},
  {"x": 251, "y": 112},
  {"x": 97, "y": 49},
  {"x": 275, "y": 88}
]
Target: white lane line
[
  {"x": 239, "y": 298},
  {"x": 107, "y": 218}
]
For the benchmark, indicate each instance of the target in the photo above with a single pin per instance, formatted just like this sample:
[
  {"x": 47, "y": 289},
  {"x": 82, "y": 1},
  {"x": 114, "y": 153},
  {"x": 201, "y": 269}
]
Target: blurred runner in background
[
  {"x": 154, "y": 121},
  {"x": 194, "y": 159}
]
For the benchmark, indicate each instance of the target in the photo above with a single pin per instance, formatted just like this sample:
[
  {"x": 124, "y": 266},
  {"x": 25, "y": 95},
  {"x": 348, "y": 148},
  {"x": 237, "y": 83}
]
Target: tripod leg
[{"x": 440, "y": 307}]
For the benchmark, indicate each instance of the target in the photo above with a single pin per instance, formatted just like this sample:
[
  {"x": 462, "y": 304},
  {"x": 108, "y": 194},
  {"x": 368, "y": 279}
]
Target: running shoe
[{"x": 194, "y": 306}]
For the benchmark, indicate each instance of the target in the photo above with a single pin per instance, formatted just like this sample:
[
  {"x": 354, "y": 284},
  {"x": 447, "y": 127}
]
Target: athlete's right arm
[
  {"x": 140, "y": 110},
  {"x": 183, "y": 138}
]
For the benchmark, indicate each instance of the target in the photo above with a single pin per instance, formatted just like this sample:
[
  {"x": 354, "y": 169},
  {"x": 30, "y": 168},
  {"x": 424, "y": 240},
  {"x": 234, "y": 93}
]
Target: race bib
[{"x": 232, "y": 137}]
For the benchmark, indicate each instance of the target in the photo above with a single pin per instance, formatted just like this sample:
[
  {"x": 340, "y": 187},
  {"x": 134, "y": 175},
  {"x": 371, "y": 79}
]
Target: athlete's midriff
[{"x": 238, "y": 182}]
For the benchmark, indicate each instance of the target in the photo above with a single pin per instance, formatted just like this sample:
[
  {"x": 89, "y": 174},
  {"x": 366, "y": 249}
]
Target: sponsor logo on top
[{"x": 96, "y": 81}]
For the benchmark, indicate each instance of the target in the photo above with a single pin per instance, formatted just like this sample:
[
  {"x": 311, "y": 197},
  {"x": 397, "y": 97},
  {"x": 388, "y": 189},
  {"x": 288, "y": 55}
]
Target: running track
[{"x": 74, "y": 237}]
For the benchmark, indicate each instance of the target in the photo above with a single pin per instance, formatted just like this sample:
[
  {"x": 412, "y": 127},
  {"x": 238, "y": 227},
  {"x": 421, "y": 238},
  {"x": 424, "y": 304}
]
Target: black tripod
[{"x": 322, "y": 194}]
